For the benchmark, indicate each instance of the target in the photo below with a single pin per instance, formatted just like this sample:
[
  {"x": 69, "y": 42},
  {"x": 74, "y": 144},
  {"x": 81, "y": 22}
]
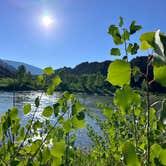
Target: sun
[{"x": 47, "y": 20}]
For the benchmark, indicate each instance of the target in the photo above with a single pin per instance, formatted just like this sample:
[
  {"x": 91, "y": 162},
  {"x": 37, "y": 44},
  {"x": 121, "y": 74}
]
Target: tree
[{"x": 21, "y": 74}]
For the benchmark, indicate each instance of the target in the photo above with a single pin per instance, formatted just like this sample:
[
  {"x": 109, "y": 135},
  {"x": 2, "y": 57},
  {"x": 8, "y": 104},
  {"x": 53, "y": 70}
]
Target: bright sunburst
[{"x": 47, "y": 20}]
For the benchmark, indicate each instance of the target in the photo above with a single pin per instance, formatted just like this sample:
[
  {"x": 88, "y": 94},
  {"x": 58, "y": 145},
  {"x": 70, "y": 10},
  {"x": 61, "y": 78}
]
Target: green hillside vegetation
[{"x": 85, "y": 77}]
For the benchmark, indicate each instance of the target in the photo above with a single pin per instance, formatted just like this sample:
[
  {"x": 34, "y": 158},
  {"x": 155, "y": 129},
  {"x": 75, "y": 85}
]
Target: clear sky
[{"x": 79, "y": 31}]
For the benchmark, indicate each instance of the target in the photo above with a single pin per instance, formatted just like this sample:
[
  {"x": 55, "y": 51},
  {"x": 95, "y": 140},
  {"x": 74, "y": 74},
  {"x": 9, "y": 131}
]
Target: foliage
[
  {"x": 41, "y": 142},
  {"x": 133, "y": 132}
]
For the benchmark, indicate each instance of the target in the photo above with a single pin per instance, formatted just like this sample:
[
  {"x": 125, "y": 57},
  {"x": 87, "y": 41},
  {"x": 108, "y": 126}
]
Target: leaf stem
[{"x": 148, "y": 110}]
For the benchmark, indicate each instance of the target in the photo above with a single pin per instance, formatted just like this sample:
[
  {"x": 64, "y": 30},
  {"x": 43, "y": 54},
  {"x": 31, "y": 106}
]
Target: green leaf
[
  {"x": 155, "y": 150},
  {"x": 130, "y": 154},
  {"x": 77, "y": 124},
  {"x": 137, "y": 112},
  {"x": 48, "y": 71},
  {"x": 162, "y": 156},
  {"x": 27, "y": 108},
  {"x": 107, "y": 112},
  {"x": 119, "y": 73},
  {"x": 163, "y": 111},
  {"x": 40, "y": 80},
  {"x": 115, "y": 51},
  {"x": 56, "y": 81},
  {"x": 159, "y": 75},
  {"x": 115, "y": 33},
  {"x": 121, "y": 21},
  {"x": 50, "y": 90},
  {"x": 125, "y": 35},
  {"x": 152, "y": 113},
  {"x": 134, "y": 28},
  {"x": 77, "y": 107},
  {"x": 158, "y": 61},
  {"x": 81, "y": 115},
  {"x": 129, "y": 47},
  {"x": 14, "y": 113},
  {"x": 145, "y": 45},
  {"x": 1, "y": 132},
  {"x": 147, "y": 40},
  {"x": 37, "y": 102},
  {"x": 56, "y": 108},
  {"x": 48, "y": 111},
  {"x": 134, "y": 49},
  {"x": 67, "y": 125},
  {"x": 58, "y": 149},
  {"x": 56, "y": 161},
  {"x": 125, "y": 98},
  {"x": 136, "y": 73},
  {"x": 22, "y": 132}
]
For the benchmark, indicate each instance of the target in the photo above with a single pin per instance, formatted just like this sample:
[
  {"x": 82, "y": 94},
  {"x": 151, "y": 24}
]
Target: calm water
[{"x": 89, "y": 101}]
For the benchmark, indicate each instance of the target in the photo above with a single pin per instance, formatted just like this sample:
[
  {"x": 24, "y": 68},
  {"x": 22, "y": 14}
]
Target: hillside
[
  {"x": 86, "y": 68},
  {"x": 90, "y": 77},
  {"x": 6, "y": 70},
  {"x": 33, "y": 69},
  {"x": 85, "y": 77}
]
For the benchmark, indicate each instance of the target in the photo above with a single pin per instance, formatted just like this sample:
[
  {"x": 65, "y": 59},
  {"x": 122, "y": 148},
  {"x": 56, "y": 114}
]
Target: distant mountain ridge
[
  {"x": 33, "y": 69},
  {"x": 86, "y": 68},
  {"x": 6, "y": 70}
]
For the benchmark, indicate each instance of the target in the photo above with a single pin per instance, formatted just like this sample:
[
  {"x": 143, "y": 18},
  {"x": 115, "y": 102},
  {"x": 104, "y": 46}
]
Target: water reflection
[{"x": 22, "y": 98}]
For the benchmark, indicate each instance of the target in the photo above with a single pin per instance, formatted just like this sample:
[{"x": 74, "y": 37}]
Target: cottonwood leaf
[
  {"x": 119, "y": 73},
  {"x": 160, "y": 75}
]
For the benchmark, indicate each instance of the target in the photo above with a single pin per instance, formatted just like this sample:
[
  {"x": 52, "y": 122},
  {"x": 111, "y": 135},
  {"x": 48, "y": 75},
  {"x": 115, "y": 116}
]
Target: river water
[{"x": 89, "y": 101}]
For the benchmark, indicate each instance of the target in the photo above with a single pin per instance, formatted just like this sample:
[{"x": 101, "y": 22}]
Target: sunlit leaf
[
  {"x": 1, "y": 132},
  {"x": 27, "y": 108},
  {"x": 56, "y": 81},
  {"x": 152, "y": 112},
  {"x": 147, "y": 40},
  {"x": 130, "y": 154},
  {"x": 48, "y": 111},
  {"x": 145, "y": 45},
  {"x": 119, "y": 73},
  {"x": 40, "y": 79},
  {"x": 58, "y": 149},
  {"x": 160, "y": 75},
  {"x": 77, "y": 123},
  {"x": 107, "y": 112},
  {"x": 125, "y": 98},
  {"x": 56, "y": 161},
  {"x": 14, "y": 113},
  {"x": 155, "y": 150},
  {"x": 49, "y": 71},
  {"x": 129, "y": 47},
  {"x": 50, "y": 90},
  {"x": 162, "y": 156}
]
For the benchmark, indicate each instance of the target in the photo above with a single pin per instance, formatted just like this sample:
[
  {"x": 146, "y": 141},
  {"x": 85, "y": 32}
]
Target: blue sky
[{"x": 79, "y": 33}]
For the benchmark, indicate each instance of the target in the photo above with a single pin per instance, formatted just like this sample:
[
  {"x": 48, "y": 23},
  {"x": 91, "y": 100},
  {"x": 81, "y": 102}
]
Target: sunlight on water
[{"x": 22, "y": 98}]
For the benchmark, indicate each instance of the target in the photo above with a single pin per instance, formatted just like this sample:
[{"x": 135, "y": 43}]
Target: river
[{"x": 89, "y": 101}]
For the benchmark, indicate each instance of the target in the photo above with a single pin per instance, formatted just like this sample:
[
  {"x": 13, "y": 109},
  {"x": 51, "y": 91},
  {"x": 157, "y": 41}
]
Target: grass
[{"x": 5, "y": 81}]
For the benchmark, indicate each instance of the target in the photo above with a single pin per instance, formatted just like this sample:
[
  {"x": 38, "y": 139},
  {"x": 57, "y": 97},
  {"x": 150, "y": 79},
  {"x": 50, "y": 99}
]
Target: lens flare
[{"x": 47, "y": 20}]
